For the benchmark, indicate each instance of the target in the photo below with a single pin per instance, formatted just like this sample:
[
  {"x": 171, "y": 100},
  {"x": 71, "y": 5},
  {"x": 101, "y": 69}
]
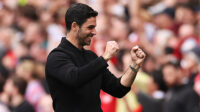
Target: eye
[{"x": 91, "y": 27}]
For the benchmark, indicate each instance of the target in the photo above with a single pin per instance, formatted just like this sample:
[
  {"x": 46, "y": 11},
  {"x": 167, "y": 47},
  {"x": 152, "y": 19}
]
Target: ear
[{"x": 75, "y": 27}]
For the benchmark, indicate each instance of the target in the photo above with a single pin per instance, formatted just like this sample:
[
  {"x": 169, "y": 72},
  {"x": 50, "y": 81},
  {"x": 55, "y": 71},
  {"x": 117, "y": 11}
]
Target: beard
[{"x": 83, "y": 38}]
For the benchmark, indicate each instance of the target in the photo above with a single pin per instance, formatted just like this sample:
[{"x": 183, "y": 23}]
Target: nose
[{"x": 94, "y": 32}]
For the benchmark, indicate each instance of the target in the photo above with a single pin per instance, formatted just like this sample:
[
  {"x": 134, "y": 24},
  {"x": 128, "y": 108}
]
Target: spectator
[
  {"x": 152, "y": 100},
  {"x": 34, "y": 91},
  {"x": 15, "y": 87},
  {"x": 180, "y": 97},
  {"x": 3, "y": 106},
  {"x": 190, "y": 64}
]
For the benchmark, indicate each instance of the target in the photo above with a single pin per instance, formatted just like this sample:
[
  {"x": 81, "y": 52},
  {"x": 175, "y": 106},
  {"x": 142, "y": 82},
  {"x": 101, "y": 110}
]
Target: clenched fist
[
  {"x": 111, "y": 49},
  {"x": 137, "y": 55}
]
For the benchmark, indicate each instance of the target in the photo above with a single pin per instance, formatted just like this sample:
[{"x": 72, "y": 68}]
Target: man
[
  {"x": 15, "y": 87},
  {"x": 3, "y": 106},
  {"x": 75, "y": 75},
  {"x": 180, "y": 97}
]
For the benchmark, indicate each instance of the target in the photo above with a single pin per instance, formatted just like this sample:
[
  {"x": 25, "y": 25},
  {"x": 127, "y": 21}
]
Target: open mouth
[
  {"x": 89, "y": 39},
  {"x": 91, "y": 35}
]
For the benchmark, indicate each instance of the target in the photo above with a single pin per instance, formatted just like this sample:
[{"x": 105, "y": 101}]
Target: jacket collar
[{"x": 66, "y": 44}]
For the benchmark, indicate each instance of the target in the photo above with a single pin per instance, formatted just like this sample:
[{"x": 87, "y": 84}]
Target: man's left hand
[{"x": 137, "y": 55}]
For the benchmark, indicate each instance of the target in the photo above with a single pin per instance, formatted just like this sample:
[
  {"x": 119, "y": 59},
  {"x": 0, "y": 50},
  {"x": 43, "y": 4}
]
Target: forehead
[
  {"x": 90, "y": 21},
  {"x": 169, "y": 68}
]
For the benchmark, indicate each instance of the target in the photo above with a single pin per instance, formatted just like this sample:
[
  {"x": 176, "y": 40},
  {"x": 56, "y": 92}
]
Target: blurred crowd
[{"x": 167, "y": 30}]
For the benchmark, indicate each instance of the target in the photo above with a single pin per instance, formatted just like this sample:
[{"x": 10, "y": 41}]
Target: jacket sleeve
[
  {"x": 112, "y": 85},
  {"x": 61, "y": 67}
]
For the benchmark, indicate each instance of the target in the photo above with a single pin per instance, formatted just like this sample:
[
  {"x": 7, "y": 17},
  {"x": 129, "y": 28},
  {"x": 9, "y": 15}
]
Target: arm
[
  {"x": 135, "y": 8},
  {"x": 138, "y": 57},
  {"x": 112, "y": 85},
  {"x": 119, "y": 87},
  {"x": 129, "y": 76},
  {"x": 61, "y": 67}
]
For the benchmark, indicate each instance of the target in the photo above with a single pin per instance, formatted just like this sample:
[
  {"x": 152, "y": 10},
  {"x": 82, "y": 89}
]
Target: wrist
[
  {"x": 134, "y": 67},
  {"x": 105, "y": 58}
]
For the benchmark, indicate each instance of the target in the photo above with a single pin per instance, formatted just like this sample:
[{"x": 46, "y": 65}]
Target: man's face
[
  {"x": 10, "y": 88},
  {"x": 87, "y": 31},
  {"x": 170, "y": 75}
]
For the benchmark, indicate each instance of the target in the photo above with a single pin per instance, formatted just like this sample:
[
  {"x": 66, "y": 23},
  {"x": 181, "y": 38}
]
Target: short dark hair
[
  {"x": 78, "y": 13},
  {"x": 2, "y": 82},
  {"x": 29, "y": 11},
  {"x": 20, "y": 83},
  {"x": 175, "y": 64}
]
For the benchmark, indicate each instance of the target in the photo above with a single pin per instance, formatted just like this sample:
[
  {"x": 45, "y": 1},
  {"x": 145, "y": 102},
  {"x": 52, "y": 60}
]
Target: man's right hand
[{"x": 111, "y": 49}]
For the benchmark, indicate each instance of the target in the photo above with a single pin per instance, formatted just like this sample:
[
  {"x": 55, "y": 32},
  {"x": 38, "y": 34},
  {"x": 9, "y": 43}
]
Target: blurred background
[{"x": 167, "y": 30}]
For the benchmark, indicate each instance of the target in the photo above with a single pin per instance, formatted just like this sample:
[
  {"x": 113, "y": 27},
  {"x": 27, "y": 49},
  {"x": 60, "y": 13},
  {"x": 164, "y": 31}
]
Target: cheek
[
  {"x": 169, "y": 79},
  {"x": 8, "y": 88},
  {"x": 82, "y": 34}
]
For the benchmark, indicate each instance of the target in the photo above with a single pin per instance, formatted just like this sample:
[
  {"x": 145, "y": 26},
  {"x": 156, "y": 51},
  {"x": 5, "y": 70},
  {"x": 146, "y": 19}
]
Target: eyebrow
[{"x": 91, "y": 26}]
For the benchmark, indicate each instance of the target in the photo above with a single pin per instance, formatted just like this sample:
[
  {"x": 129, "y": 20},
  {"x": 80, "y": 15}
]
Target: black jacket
[
  {"x": 181, "y": 98},
  {"x": 75, "y": 78},
  {"x": 149, "y": 103},
  {"x": 23, "y": 107}
]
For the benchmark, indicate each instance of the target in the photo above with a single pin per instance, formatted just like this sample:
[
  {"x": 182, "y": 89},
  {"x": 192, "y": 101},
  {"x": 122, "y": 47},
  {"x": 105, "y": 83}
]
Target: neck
[
  {"x": 72, "y": 38},
  {"x": 17, "y": 100}
]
